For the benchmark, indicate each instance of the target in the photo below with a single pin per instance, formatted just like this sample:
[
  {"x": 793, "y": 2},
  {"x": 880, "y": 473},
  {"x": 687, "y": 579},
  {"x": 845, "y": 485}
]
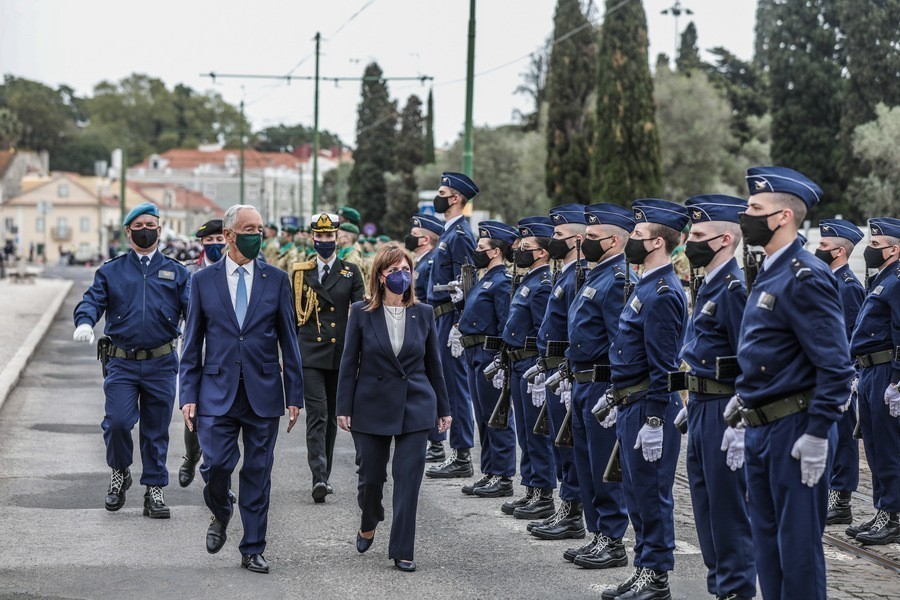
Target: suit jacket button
[{"x": 241, "y": 338}]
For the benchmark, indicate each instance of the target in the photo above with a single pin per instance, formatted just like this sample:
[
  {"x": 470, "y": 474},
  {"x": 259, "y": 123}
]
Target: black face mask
[
  {"x": 144, "y": 238},
  {"x": 525, "y": 258},
  {"x": 411, "y": 242},
  {"x": 874, "y": 257},
  {"x": 825, "y": 256},
  {"x": 635, "y": 251},
  {"x": 480, "y": 259},
  {"x": 441, "y": 204},
  {"x": 559, "y": 248},
  {"x": 593, "y": 249},
  {"x": 699, "y": 254},
  {"x": 756, "y": 228}
]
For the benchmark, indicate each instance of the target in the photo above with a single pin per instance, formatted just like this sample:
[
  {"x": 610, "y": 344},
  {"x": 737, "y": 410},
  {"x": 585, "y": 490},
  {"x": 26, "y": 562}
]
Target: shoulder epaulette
[
  {"x": 545, "y": 277},
  {"x": 620, "y": 272},
  {"x": 662, "y": 286},
  {"x": 800, "y": 270},
  {"x": 848, "y": 277},
  {"x": 303, "y": 266},
  {"x": 733, "y": 282},
  {"x": 116, "y": 258},
  {"x": 460, "y": 230}
]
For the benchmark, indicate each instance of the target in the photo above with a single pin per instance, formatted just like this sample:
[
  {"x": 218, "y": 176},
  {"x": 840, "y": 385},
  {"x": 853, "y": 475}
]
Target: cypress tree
[
  {"x": 688, "y": 54},
  {"x": 376, "y": 133},
  {"x": 570, "y": 81},
  {"x": 402, "y": 201},
  {"x": 626, "y": 161},
  {"x": 428, "y": 158}
]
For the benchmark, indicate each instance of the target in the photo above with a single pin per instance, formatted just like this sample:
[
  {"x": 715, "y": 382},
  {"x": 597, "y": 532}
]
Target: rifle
[
  {"x": 613, "y": 472},
  {"x": 564, "y": 436},
  {"x": 465, "y": 282},
  {"x": 752, "y": 263},
  {"x": 500, "y": 415},
  {"x": 696, "y": 282},
  {"x": 103, "y": 346}
]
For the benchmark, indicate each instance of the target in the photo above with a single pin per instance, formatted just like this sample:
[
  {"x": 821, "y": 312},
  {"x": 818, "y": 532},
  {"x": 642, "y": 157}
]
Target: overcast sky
[{"x": 81, "y": 42}]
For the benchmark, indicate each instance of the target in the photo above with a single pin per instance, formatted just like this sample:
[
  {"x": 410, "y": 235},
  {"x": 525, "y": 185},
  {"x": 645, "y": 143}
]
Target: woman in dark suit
[{"x": 391, "y": 387}]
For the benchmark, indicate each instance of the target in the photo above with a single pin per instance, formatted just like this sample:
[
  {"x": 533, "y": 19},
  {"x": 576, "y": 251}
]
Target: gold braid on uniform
[{"x": 306, "y": 300}]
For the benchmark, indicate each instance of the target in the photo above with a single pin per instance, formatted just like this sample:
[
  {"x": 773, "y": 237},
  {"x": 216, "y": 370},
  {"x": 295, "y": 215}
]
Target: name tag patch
[
  {"x": 487, "y": 285},
  {"x": 877, "y": 291},
  {"x": 589, "y": 293},
  {"x": 558, "y": 292},
  {"x": 170, "y": 275},
  {"x": 442, "y": 246},
  {"x": 709, "y": 308},
  {"x": 524, "y": 291},
  {"x": 766, "y": 301},
  {"x": 636, "y": 304}
]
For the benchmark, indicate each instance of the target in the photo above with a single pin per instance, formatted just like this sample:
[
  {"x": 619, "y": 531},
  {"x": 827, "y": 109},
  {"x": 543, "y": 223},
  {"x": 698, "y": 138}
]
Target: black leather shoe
[
  {"x": 839, "y": 512},
  {"x": 571, "y": 553},
  {"x": 187, "y": 471},
  {"x": 215, "y": 535},
  {"x": 363, "y": 544},
  {"x": 407, "y": 566},
  {"x": 732, "y": 597},
  {"x": 154, "y": 503},
  {"x": 119, "y": 482},
  {"x": 614, "y": 592},
  {"x": 566, "y": 524},
  {"x": 458, "y": 464},
  {"x": 608, "y": 553},
  {"x": 886, "y": 530},
  {"x": 469, "y": 489},
  {"x": 650, "y": 585},
  {"x": 497, "y": 487},
  {"x": 510, "y": 507},
  {"x": 319, "y": 491},
  {"x": 855, "y": 530},
  {"x": 540, "y": 506},
  {"x": 255, "y": 563},
  {"x": 435, "y": 452}
]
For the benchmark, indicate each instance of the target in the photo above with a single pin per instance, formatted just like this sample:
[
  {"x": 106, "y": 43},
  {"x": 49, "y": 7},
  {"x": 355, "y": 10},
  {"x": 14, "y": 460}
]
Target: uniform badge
[
  {"x": 759, "y": 184},
  {"x": 442, "y": 246},
  {"x": 589, "y": 293},
  {"x": 346, "y": 273},
  {"x": 709, "y": 308},
  {"x": 558, "y": 292},
  {"x": 766, "y": 301},
  {"x": 877, "y": 291},
  {"x": 636, "y": 304},
  {"x": 524, "y": 291},
  {"x": 487, "y": 285},
  {"x": 170, "y": 275}
]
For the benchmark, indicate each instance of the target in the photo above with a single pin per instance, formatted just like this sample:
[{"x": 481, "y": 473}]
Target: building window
[
  {"x": 62, "y": 190},
  {"x": 10, "y": 224},
  {"x": 39, "y": 224},
  {"x": 85, "y": 224}
]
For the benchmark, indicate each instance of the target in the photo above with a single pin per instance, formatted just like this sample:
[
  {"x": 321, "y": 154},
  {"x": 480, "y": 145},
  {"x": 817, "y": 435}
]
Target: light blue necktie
[
  {"x": 145, "y": 262},
  {"x": 240, "y": 300}
]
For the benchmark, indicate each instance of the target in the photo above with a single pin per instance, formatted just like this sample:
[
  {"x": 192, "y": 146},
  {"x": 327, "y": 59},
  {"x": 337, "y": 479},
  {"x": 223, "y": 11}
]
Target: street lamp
[{"x": 676, "y": 10}]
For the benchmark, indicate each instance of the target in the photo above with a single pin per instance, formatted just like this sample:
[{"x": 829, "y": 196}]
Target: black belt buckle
[
  {"x": 530, "y": 344},
  {"x": 602, "y": 373},
  {"x": 557, "y": 347},
  {"x": 727, "y": 367},
  {"x": 493, "y": 343},
  {"x": 678, "y": 381}
]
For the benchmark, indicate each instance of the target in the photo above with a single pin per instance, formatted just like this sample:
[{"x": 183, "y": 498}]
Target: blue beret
[
  {"x": 536, "y": 227},
  {"x": 429, "y": 222},
  {"x": 497, "y": 231},
  {"x": 661, "y": 212},
  {"x": 840, "y": 228},
  {"x": 147, "y": 208},
  {"x": 802, "y": 239},
  {"x": 460, "y": 183},
  {"x": 782, "y": 179},
  {"x": 568, "y": 213},
  {"x": 715, "y": 207},
  {"x": 885, "y": 226},
  {"x": 609, "y": 214}
]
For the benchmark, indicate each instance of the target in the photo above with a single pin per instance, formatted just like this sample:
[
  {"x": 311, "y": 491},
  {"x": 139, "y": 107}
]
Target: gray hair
[{"x": 231, "y": 215}]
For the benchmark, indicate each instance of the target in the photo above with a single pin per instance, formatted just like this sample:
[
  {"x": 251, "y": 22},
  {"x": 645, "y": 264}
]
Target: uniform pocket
[{"x": 268, "y": 368}]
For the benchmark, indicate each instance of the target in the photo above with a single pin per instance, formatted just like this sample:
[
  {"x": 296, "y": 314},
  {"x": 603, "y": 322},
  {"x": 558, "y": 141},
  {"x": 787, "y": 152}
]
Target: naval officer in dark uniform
[{"x": 144, "y": 295}]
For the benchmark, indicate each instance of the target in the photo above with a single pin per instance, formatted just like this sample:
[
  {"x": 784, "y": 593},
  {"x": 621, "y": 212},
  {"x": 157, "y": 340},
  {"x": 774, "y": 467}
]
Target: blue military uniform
[
  {"x": 485, "y": 314},
  {"x": 143, "y": 301},
  {"x": 875, "y": 345},
  {"x": 718, "y": 493},
  {"x": 647, "y": 346},
  {"x": 791, "y": 344},
  {"x": 593, "y": 323}
]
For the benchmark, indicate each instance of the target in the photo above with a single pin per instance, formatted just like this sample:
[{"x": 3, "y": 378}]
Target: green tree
[
  {"x": 47, "y": 121},
  {"x": 402, "y": 203},
  {"x": 877, "y": 191},
  {"x": 80, "y": 154},
  {"x": 428, "y": 157},
  {"x": 570, "y": 81},
  {"x": 534, "y": 85},
  {"x": 745, "y": 86},
  {"x": 688, "y": 53},
  {"x": 375, "y": 141},
  {"x": 10, "y": 129},
  {"x": 626, "y": 163},
  {"x": 333, "y": 191},
  {"x": 286, "y": 138},
  {"x": 402, "y": 200},
  {"x": 410, "y": 147}
]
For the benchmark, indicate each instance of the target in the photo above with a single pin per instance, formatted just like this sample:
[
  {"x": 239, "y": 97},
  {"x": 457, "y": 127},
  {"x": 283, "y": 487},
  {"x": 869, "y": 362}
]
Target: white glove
[
  {"x": 453, "y": 342},
  {"x": 606, "y": 400},
  {"x": 650, "y": 442},
  {"x": 733, "y": 447},
  {"x": 530, "y": 374},
  {"x": 849, "y": 401},
  {"x": 892, "y": 399},
  {"x": 812, "y": 452},
  {"x": 565, "y": 393},
  {"x": 732, "y": 407},
  {"x": 84, "y": 333},
  {"x": 539, "y": 390},
  {"x": 456, "y": 294},
  {"x": 680, "y": 418},
  {"x": 498, "y": 379},
  {"x": 610, "y": 419}
]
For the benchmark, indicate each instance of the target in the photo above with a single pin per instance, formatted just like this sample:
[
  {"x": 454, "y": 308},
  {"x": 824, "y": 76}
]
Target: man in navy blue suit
[{"x": 239, "y": 386}]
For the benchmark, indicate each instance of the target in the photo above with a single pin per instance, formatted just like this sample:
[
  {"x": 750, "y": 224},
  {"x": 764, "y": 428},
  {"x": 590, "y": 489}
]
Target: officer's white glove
[
  {"x": 498, "y": 379},
  {"x": 604, "y": 401},
  {"x": 853, "y": 388},
  {"x": 531, "y": 373},
  {"x": 731, "y": 409},
  {"x": 892, "y": 399},
  {"x": 733, "y": 447},
  {"x": 610, "y": 419},
  {"x": 539, "y": 390},
  {"x": 680, "y": 418},
  {"x": 456, "y": 294},
  {"x": 453, "y": 342},
  {"x": 565, "y": 393},
  {"x": 650, "y": 442},
  {"x": 84, "y": 333},
  {"x": 812, "y": 452}
]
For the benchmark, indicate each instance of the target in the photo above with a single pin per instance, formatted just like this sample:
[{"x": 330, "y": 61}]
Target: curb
[{"x": 10, "y": 374}]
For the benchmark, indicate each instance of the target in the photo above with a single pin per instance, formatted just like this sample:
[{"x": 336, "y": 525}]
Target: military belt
[
  {"x": 443, "y": 309},
  {"x": 599, "y": 373},
  {"x": 493, "y": 343},
  {"x": 624, "y": 395},
  {"x": 167, "y": 348},
  {"x": 698, "y": 385},
  {"x": 472, "y": 340},
  {"x": 876, "y": 358},
  {"x": 548, "y": 363},
  {"x": 584, "y": 376},
  {"x": 771, "y": 412},
  {"x": 521, "y": 354}
]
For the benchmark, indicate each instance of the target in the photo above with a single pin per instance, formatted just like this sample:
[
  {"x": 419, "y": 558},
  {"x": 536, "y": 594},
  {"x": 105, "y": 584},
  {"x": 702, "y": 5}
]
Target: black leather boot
[
  {"x": 571, "y": 553},
  {"x": 497, "y": 487},
  {"x": 154, "y": 503},
  {"x": 650, "y": 585},
  {"x": 469, "y": 489},
  {"x": 458, "y": 464},
  {"x": 886, "y": 530},
  {"x": 855, "y": 530},
  {"x": 608, "y": 553},
  {"x": 510, "y": 507},
  {"x": 435, "y": 452},
  {"x": 839, "y": 511},
  {"x": 614, "y": 592},
  {"x": 119, "y": 482},
  {"x": 540, "y": 506},
  {"x": 567, "y": 523}
]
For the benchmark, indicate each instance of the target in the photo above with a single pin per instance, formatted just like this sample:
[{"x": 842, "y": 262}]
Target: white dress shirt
[
  {"x": 449, "y": 224},
  {"x": 768, "y": 260},
  {"x": 320, "y": 264},
  {"x": 150, "y": 256},
  {"x": 231, "y": 268}
]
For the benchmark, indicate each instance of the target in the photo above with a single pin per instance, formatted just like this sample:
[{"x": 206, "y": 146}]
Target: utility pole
[
  {"x": 468, "y": 155},
  {"x": 676, "y": 10},
  {"x": 315, "y": 181},
  {"x": 242, "y": 151},
  {"x": 122, "y": 187}
]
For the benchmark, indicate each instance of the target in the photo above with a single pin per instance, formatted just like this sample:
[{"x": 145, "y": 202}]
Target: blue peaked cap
[
  {"x": 568, "y": 213},
  {"x": 460, "y": 183},
  {"x": 496, "y": 230},
  {"x": 606, "y": 213},
  {"x": 885, "y": 226},
  {"x": 715, "y": 207},
  {"x": 782, "y": 179},
  {"x": 535, "y": 226},
  {"x": 661, "y": 212},
  {"x": 146, "y": 208},
  {"x": 840, "y": 228},
  {"x": 429, "y": 222}
]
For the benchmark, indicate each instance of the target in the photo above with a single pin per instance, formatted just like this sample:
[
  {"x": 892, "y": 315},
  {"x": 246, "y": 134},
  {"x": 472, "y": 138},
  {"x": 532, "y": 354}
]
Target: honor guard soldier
[
  {"x": 324, "y": 287},
  {"x": 270, "y": 242},
  {"x": 795, "y": 375},
  {"x": 838, "y": 239},
  {"x": 593, "y": 322},
  {"x": 476, "y": 340},
  {"x": 144, "y": 295},
  {"x": 646, "y": 348},
  {"x": 715, "y": 451},
  {"x": 454, "y": 249},
  {"x": 568, "y": 233},
  {"x": 876, "y": 348},
  {"x": 348, "y": 249},
  {"x": 421, "y": 241},
  {"x": 213, "y": 242},
  {"x": 526, "y": 312},
  {"x": 287, "y": 252}
]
